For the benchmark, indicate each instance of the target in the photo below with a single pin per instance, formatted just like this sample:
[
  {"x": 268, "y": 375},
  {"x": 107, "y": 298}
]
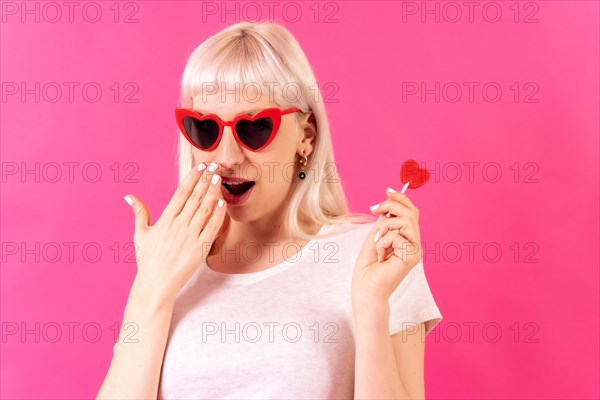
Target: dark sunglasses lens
[
  {"x": 255, "y": 133},
  {"x": 203, "y": 133}
]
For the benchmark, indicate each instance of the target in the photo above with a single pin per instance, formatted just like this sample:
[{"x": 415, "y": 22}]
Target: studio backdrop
[{"x": 498, "y": 100}]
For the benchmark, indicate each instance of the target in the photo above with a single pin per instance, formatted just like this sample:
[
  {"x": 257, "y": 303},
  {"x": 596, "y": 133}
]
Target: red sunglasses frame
[{"x": 273, "y": 113}]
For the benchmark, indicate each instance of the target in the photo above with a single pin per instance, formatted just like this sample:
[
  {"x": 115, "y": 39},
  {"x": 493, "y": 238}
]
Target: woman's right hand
[{"x": 171, "y": 250}]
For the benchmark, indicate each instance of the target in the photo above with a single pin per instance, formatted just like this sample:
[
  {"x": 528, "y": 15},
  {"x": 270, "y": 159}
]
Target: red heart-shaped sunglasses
[{"x": 253, "y": 132}]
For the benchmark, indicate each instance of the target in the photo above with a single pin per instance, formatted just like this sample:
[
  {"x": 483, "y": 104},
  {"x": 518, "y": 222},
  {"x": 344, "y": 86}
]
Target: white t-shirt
[{"x": 284, "y": 332}]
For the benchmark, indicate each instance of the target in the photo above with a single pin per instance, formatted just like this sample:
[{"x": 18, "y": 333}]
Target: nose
[{"x": 228, "y": 153}]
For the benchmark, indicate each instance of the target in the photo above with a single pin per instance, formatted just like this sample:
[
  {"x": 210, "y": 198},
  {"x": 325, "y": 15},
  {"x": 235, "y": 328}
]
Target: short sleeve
[{"x": 412, "y": 303}]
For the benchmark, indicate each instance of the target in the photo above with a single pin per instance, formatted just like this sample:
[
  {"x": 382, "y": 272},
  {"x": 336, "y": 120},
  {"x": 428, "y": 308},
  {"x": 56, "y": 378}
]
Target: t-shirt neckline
[{"x": 251, "y": 277}]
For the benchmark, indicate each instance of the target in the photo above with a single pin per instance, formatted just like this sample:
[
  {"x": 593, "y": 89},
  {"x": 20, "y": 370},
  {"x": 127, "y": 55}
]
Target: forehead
[{"x": 228, "y": 101}]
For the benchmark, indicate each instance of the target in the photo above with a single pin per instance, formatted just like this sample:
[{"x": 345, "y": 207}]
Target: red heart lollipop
[
  {"x": 411, "y": 172},
  {"x": 414, "y": 175}
]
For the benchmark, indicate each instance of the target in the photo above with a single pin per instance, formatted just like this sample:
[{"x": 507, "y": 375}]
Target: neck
[{"x": 268, "y": 228}]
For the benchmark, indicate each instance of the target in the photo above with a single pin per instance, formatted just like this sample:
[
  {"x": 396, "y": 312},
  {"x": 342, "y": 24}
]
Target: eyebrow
[{"x": 249, "y": 112}]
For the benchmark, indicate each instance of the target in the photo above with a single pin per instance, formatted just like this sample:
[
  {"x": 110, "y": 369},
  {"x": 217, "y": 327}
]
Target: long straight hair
[{"x": 258, "y": 52}]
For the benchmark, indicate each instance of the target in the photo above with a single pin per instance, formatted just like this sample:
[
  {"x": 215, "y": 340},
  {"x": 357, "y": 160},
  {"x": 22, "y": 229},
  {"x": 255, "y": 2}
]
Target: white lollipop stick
[
  {"x": 402, "y": 191},
  {"x": 405, "y": 187}
]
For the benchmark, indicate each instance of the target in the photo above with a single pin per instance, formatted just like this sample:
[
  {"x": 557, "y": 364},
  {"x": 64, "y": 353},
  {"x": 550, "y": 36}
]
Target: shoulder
[
  {"x": 349, "y": 231},
  {"x": 347, "y": 237}
]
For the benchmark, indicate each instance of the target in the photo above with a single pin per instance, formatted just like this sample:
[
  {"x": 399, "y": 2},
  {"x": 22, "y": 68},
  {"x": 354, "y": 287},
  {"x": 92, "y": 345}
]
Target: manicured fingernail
[
  {"x": 201, "y": 166},
  {"x": 215, "y": 179},
  {"x": 376, "y": 236},
  {"x": 373, "y": 208},
  {"x": 391, "y": 190},
  {"x": 212, "y": 167},
  {"x": 220, "y": 203},
  {"x": 128, "y": 200}
]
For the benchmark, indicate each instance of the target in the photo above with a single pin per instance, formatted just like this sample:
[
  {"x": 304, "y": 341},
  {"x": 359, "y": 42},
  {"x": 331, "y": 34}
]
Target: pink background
[{"x": 367, "y": 55}]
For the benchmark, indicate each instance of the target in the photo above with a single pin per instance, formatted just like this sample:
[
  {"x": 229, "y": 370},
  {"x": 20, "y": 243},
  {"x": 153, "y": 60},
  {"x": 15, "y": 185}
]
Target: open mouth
[{"x": 238, "y": 188}]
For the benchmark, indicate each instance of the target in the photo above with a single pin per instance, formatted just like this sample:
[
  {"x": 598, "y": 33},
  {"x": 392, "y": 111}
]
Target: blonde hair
[{"x": 258, "y": 52}]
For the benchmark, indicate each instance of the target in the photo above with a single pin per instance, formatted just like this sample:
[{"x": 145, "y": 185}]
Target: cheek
[
  {"x": 273, "y": 191},
  {"x": 196, "y": 155},
  {"x": 287, "y": 135},
  {"x": 275, "y": 175},
  {"x": 288, "y": 129}
]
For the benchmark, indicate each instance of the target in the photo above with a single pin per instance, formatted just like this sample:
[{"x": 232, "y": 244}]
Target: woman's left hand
[{"x": 398, "y": 248}]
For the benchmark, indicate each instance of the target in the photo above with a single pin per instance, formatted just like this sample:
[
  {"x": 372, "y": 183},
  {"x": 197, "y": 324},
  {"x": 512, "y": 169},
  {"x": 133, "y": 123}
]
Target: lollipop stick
[
  {"x": 402, "y": 191},
  {"x": 405, "y": 187}
]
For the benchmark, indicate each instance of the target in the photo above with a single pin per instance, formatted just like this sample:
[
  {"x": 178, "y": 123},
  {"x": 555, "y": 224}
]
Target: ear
[{"x": 309, "y": 128}]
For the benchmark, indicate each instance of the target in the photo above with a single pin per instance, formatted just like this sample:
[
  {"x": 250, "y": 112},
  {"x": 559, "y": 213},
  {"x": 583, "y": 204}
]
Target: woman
[{"x": 256, "y": 281}]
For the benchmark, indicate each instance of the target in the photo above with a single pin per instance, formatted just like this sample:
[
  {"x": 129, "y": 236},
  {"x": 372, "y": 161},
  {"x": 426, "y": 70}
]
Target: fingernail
[
  {"x": 391, "y": 190},
  {"x": 215, "y": 178},
  {"x": 378, "y": 258},
  {"x": 201, "y": 166},
  {"x": 220, "y": 203},
  {"x": 128, "y": 200},
  {"x": 212, "y": 167},
  {"x": 376, "y": 236},
  {"x": 373, "y": 208}
]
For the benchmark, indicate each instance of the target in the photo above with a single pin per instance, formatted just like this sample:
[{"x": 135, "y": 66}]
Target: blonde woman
[{"x": 256, "y": 281}]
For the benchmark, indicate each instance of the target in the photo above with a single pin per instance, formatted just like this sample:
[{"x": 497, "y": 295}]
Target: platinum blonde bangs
[{"x": 256, "y": 59}]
